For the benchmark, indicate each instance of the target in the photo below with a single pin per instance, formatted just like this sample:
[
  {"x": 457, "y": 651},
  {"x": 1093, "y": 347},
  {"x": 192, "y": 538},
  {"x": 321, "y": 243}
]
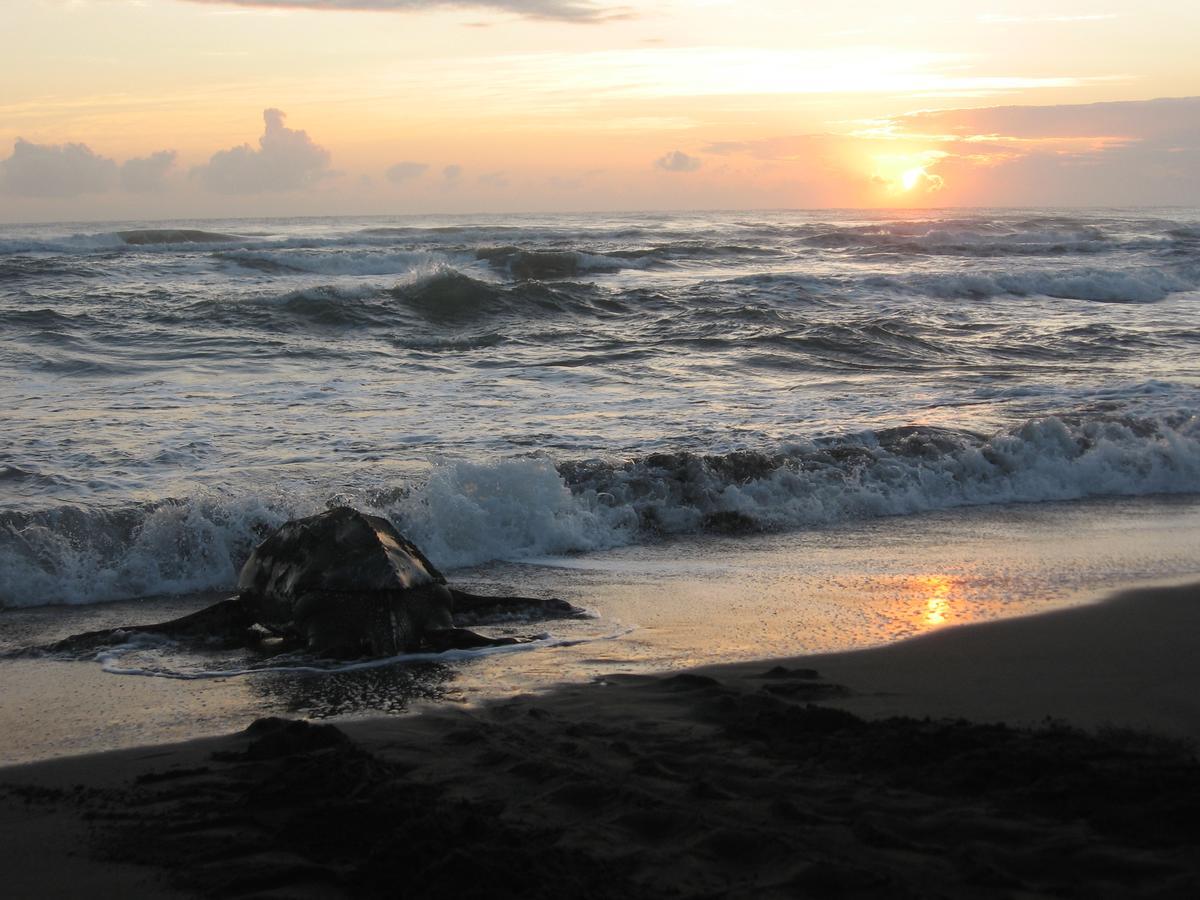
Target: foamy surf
[{"x": 464, "y": 513}]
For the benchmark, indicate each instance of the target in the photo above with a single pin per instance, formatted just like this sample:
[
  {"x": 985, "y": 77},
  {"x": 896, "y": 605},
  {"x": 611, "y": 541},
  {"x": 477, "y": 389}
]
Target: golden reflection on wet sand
[{"x": 933, "y": 597}]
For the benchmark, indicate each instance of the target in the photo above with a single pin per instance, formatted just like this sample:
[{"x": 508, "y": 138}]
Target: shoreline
[
  {"x": 723, "y": 780},
  {"x": 677, "y": 606}
]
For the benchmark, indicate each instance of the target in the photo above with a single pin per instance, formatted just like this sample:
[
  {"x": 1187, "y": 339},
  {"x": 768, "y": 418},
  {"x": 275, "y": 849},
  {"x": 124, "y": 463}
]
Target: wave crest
[
  {"x": 965, "y": 237},
  {"x": 332, "y": 261},
  {"x": 540, "y": 265},
  {"x": 149, "y": 236}
]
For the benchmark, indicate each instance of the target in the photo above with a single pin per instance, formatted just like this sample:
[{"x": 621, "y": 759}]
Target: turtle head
[
  {"x": 407, "y": 615},
  {"x": 331, "y": 627},
  {"x": 375, "y": 623}
]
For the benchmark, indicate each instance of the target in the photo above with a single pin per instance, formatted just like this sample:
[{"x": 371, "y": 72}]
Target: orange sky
[{"x": 155, "y": 108}]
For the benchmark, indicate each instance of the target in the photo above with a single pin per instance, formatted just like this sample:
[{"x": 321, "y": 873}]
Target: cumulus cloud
[
  {"x": 578, "y": 11},
  {"x": 677, "y": 161},
  {"x": 55, "y": 170},
  {"x": 452, "y": 173},
  {"x": 405, "y": 171},
  {"x": 146, "y": 174},
  {"x": 286, "y": 159}
]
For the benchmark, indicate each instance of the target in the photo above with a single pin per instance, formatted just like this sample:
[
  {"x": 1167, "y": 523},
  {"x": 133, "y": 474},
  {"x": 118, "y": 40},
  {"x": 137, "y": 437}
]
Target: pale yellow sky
[{"x": 569, "y": 104}]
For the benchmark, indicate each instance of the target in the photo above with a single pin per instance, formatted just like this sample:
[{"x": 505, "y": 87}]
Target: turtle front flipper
[
  {"x": 227, "y": 622},
  {"x": 229, "y": 618},
  {"x": 441, "y": 639}
]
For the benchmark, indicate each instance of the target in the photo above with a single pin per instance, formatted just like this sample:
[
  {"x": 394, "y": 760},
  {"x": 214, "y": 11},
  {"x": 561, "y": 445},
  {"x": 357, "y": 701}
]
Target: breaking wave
[{"x": 466, "y": 513}]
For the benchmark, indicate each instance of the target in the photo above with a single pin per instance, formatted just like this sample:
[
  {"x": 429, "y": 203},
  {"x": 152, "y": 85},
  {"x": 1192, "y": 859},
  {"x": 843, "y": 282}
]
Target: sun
[
  {"x": 904, "y": 176},
  {"x": 912, "y": 178}
]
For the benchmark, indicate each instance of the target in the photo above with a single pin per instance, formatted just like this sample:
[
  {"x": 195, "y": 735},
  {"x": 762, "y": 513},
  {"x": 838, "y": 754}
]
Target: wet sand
[
  {"x": 766, "y": 779},
  {"x": 1129, "y": 661}
]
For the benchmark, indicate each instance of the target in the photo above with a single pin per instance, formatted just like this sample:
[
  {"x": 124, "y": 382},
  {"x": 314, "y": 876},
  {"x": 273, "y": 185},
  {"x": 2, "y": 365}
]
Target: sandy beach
[{"x": 1050, "y": 755}]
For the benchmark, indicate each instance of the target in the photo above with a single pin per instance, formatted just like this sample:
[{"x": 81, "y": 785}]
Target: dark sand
[{"x": 751, "y": 780}]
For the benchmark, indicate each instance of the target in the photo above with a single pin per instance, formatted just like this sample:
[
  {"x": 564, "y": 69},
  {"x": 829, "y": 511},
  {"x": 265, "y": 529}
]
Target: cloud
[
  {"x": 494, "y": 179},
  {"x": 575, "y": 11},
  {"x": 55, "y": 170},
  {"x": 1133, "y": 152},
  {"x": 146, "y": 174},
  {"x": 1128, "y": 152},
  {"x": 452, "y": 172},
  {"x": 1144, "y": 152},
  {"x": 286, "y": 159},
  {"x": 1134, "y": 119},
  {"x": 406, "y": 171},
  {"x": 677, "y": 161}
]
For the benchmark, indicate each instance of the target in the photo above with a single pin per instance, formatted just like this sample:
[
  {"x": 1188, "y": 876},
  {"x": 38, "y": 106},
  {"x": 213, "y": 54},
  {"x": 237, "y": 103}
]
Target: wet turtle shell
[{"x": 338, "y": 552}]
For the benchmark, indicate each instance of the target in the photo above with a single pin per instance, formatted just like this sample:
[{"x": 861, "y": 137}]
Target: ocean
[{"x": 529, "y": 396}]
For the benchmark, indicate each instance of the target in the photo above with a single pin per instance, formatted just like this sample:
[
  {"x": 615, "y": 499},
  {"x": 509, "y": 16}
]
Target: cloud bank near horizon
[
  {"x": 147, "y": 174},
  {"x": 58, "y": 171},
  {"x": 1134, "y": 153},
  {"x": 571, "y": 11}
]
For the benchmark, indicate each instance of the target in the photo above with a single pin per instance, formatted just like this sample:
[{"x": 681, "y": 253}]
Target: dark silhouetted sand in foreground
[{"x": 778, "y": 779}]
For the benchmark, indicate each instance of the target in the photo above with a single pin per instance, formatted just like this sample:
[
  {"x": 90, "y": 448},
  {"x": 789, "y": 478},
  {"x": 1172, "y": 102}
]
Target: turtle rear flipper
[
  {"x": 441, "y": 639},
  {"x": 482, "y": 605}
]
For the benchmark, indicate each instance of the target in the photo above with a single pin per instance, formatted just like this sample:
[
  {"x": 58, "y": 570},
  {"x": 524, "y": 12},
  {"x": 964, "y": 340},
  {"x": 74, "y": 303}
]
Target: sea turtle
[{"x": 344, "y": 584}]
